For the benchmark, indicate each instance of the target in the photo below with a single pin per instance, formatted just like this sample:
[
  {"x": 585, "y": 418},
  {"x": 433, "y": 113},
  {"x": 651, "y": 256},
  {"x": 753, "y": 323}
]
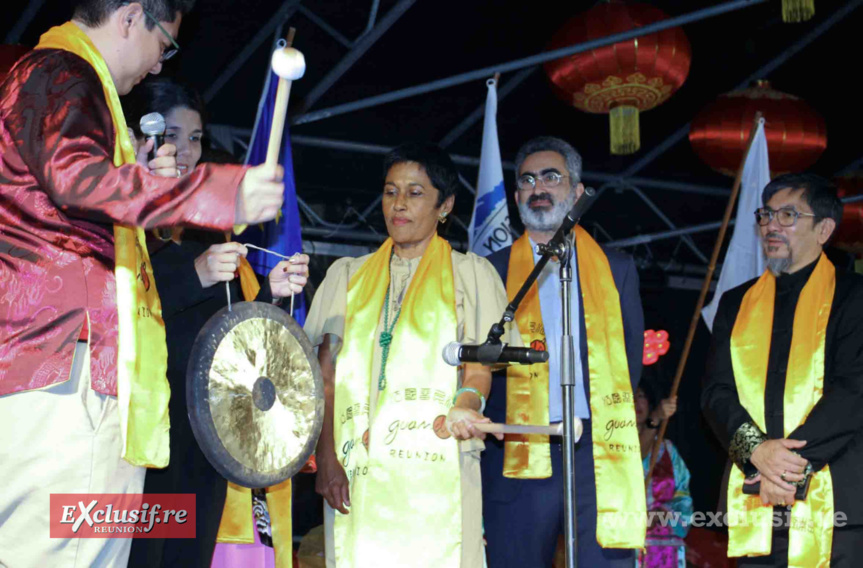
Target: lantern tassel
[
  {"x": 625, "y": 138},
  {"x": 797, "y": 10}
]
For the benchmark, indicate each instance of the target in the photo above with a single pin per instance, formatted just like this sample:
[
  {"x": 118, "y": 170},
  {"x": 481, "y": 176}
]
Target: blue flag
[
  {"x": 489, "y": 225},
  {"x": 282, "y": 236}
]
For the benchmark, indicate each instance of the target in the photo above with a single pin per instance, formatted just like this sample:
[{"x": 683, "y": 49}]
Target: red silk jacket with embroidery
[{"x": 59, "y": 195}]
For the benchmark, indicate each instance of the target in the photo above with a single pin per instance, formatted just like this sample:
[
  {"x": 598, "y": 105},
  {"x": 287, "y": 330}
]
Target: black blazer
[
  {"x": 626, "y": 280},
  {"x": 834, "y": 429}
]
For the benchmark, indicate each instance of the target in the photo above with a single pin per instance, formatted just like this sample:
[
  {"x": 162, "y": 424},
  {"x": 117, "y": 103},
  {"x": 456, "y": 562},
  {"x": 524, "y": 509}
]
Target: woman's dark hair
[
  {"x": 651, "y": 391},
  {"x": 437, "y": 164},
  {"x": 95, "y": 12},
  {"x": 160, "y": 94},
  {"x": 818, "y": 192}
]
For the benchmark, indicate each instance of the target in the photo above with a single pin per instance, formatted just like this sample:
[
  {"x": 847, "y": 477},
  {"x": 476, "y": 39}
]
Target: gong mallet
[
  {"x": 289, "y": 65},
  {"x": 555, "y": 430}
]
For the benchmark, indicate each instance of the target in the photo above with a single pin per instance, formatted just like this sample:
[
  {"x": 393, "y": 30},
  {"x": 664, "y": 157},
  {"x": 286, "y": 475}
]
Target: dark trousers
[
  {"x": 847, "y": 550},
  {"x": 188, "y": 472},
  {"x": 522, "y": 527}
]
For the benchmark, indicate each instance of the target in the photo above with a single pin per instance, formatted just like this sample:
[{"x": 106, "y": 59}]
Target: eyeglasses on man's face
[
  {"x": 786, "y": 216},
  {"x": 547, "y": 179},
  {"x": 167, "y": 52}
]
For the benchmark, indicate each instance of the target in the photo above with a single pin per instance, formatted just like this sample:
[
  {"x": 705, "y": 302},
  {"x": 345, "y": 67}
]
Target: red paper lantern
[
  {"x": 849, "y": 236},
  {"x": 656, "y": 344},
  {"x": 796, "y": 133},
  {"x": 9, "y": 54},
  {"x": 623, "y": 79}
]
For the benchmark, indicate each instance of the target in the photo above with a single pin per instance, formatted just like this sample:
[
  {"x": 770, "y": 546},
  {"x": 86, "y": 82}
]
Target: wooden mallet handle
[
  {"x": 555, "y": 430},
  {"x": 289, "y": 64}
]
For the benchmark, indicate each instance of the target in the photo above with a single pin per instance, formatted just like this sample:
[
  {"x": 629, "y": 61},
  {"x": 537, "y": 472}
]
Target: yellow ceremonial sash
[
  {"x": 620, "y": 497},
  {"x": 750, "y": 523},
  {"x": 402, "y": 464},
  {"x": 237, "y": 526},
  {"x": 142, "y": 357}
]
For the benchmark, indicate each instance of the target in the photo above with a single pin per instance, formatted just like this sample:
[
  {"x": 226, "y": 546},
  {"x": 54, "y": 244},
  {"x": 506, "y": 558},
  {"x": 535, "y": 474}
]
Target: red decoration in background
[
  {"x": 630, "y": 76},
  {"x": 656, "y": 344},
  {"x": 796, "y": 133},
  {"x": 849, "y": 236},
  {"x": 9, "y": 54}
]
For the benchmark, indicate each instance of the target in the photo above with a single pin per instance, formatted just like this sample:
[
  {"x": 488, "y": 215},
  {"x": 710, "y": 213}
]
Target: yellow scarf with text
[
  {"x": 142, "y": 356},
  {"x": 402, "y": 463},
  {"x": 751, "y": 531},
  {"x": 237, "y": 525},
  {"x": 620, "y": 497}
]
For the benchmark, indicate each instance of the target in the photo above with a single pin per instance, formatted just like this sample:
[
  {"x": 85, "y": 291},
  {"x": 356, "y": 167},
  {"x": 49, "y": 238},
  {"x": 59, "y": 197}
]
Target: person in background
[
  {"x": 190, "y": 268},
  {"x": 668, "y": 495}
]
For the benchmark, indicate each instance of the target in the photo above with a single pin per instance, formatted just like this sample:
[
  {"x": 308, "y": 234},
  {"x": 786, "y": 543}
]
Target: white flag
[
  {"x": 744, "y": 259},
  {"x": 489, "y": 225}
]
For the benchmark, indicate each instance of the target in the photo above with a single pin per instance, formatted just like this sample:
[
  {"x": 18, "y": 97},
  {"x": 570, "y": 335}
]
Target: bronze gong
[{"x": 255, "y": 394}]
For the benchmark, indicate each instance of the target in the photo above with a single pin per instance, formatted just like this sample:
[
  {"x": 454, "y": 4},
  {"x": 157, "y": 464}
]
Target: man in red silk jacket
[{"x": 59, "y": 195}]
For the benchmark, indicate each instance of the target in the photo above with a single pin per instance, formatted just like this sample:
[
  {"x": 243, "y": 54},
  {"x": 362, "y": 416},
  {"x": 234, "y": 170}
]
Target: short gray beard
[
  {"x": 778, "y": 265},
  {"x": 546, "y": 221}
]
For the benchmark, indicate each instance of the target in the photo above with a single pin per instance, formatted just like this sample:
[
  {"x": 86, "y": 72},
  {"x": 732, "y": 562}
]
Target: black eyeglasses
[
  {"x": 786, "y": 217},
  {"x": 548, "y": 179},
  {"x": 167, "y": 53}
]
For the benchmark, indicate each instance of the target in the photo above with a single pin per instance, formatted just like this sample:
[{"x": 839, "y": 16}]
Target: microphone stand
[{"x": 561, "y": 247}]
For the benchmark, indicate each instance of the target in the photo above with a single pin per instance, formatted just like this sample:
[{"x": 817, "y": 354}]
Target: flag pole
[{"x": 705, "y": 287}]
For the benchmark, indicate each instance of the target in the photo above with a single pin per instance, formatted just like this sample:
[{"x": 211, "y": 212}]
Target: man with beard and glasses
[
  {"x": 784, "y": 388},
  {"x": 523, "y": 504}
]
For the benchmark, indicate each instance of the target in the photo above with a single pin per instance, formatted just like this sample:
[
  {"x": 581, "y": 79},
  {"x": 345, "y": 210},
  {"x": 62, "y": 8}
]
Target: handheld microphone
[
  {"x": 488, "y": 354},
  {"x": 153, "y": 127}
]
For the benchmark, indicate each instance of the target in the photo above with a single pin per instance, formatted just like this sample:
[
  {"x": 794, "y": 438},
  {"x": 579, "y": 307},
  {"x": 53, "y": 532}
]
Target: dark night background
[{"x": 439, "y": 38}]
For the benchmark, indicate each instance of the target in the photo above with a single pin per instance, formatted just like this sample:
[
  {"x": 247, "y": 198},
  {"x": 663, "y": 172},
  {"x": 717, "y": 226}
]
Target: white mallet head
[{"x": 289, "y": 63}]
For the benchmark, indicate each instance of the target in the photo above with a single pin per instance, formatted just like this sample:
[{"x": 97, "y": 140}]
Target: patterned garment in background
[
  {"x": 668, "y": 499},
  {"x": 262, "y": 517}
]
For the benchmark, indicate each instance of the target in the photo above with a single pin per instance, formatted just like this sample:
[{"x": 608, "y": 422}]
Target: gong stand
[{"x": 561, "y": 247}]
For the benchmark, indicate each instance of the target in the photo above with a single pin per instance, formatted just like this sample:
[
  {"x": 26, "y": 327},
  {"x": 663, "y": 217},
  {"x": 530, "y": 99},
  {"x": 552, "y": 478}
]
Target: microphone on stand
[
  {"x": 488, "y": 354},
  {"x": 153, "y": 127},
  {"x": 582, "y": 204}
]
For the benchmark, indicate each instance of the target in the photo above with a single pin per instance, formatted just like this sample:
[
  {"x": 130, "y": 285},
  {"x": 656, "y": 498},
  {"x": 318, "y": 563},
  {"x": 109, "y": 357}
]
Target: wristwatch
[{"x": 651, "y": 423}]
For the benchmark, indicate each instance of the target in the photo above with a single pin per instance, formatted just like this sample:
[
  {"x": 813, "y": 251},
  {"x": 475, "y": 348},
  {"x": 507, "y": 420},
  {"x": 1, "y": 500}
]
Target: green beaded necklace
[{"x": 386, "y": 338}]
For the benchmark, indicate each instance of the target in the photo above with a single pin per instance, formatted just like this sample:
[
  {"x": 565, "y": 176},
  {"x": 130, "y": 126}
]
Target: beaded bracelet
[{"x": 474, "y": 391}]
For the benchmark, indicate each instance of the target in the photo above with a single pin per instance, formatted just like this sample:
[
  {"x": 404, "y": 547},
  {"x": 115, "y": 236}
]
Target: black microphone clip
[{"x": 491, "y": 354}]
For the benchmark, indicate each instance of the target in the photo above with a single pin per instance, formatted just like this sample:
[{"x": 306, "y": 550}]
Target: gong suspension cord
[{"x": 262, "y": 249}]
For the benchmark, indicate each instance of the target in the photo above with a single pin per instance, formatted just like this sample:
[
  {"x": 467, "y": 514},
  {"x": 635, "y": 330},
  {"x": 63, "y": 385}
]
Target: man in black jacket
[{"x": 784, "y": 387}]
